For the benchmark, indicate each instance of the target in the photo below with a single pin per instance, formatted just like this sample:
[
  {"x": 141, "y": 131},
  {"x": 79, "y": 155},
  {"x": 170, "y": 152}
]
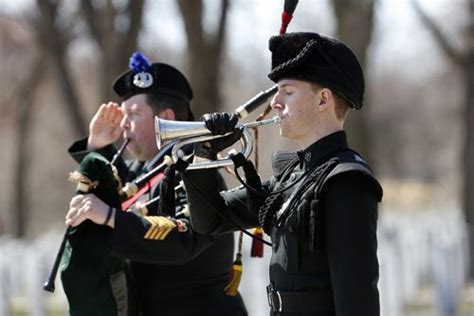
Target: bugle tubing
[{"x": 195, "y": 132}]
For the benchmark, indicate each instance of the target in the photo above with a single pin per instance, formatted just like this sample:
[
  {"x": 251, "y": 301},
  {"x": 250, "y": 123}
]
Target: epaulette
[
  {"x": 281, "y": 160},
  {"x": 351, "y": 161}
]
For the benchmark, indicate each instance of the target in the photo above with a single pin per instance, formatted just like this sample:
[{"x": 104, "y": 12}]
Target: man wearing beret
[
  {"x": 320, "y": 206},
  {"x": 172, "y": 272}
]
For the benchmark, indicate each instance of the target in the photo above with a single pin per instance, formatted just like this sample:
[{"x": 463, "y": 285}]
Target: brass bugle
[{"x": 194, "y": 132}]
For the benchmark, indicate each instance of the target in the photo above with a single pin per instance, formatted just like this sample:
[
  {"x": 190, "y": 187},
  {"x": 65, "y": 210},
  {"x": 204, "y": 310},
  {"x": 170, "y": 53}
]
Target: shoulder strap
[{"x": 352, "y": 162}]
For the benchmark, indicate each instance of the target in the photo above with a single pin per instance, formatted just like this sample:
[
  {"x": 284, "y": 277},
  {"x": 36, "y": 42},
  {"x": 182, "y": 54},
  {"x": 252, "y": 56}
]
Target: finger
[
  {"x": 111, "y": 109},
  {"x": 88, "y": 197},
  {"x": 116, "y": 116},
  {"x": 102, "y": 110},
  {"x": 72, "y": 217},
  {"x": 108, "y": 111},
  {"x": 233, "y": 119},
  {"x": 71, "y": 214},
  {"x": 76, "y": 200},
  {"x": 80, "y": 216},
  {"x": 208, "y": 119},
  {"x": 219, "y": 123}
]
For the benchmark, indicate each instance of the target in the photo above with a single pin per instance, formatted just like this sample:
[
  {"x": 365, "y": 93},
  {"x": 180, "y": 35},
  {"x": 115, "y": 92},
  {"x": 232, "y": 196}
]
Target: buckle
[{"x": 274, "y": 299}]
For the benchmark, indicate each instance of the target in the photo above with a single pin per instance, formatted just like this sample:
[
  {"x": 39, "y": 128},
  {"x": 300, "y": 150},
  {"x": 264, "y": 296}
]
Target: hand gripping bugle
[
  {"x": 201, "y": 134},
  {"x": 194, "y": 132},
  {"x": 49, "y": 284}
]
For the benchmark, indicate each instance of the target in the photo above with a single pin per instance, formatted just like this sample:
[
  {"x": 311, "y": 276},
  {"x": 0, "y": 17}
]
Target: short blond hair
[{"x": 341, "y": 107}]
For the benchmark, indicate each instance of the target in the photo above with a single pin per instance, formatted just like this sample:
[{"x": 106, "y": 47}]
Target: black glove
[{"x": 218, "y": 124}]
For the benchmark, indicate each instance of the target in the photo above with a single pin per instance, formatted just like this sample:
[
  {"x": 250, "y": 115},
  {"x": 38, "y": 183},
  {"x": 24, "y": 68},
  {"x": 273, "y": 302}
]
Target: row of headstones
[
  {"x": 414, "y": 250},
  {"x": 24, "y": 267},
  {"x": 417, "y": 250}
]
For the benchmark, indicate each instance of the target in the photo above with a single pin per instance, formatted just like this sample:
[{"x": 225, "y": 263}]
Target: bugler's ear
[
  {"x": 324, "y": 97},
  {"x": 167, "y": 114}
]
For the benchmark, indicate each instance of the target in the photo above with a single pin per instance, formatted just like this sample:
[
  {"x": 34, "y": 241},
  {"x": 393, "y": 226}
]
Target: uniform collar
[{"x": 322, "y": 149}]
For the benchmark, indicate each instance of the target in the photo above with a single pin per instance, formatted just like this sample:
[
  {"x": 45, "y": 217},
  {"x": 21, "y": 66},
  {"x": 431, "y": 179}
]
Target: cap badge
[{"x": 143, "y": 80}]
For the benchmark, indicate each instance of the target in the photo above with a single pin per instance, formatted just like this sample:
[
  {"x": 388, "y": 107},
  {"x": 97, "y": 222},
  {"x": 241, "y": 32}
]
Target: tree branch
[
  {"x": 27, "y": 90},
  {"x": 52, "y": 39},
  {"x": 221, "y": 28},
  {"x": 91, "y": 19},
  {"x": 438, "y": 35},
  {"x": 192, "y": 13},
  {"x": 135, "y": 14}
]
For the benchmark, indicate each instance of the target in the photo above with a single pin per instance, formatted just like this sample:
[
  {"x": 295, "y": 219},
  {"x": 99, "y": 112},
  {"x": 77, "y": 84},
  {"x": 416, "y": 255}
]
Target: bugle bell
[{"x": 195, "y": 132}]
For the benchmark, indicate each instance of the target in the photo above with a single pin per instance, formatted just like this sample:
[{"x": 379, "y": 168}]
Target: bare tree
[
  {"x": 355, "y": 21},
  {"x": 18, "y": 104},
  {"x": 24, "y": 115},
  {"x": 52, "y": 33},
  {"x": 115, "y": 29},
  {"x": 204, "y": 53},
  {"x": 113, "y": 26},
  {"x": 55, "y": 39},
  {"x": 465, "y": 62}
]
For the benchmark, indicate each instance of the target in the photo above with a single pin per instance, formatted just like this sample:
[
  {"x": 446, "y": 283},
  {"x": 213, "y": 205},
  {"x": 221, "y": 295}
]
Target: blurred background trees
[
  {"x": 463, "y": 59},
  {"x": 59, "y": 59}
]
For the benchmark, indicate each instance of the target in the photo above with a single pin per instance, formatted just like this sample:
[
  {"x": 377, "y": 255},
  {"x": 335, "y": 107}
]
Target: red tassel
[{"x": 257, "y": 245}]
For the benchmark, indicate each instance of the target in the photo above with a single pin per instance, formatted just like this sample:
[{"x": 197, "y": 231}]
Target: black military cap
[
  {"x": 320, "y": 59},
  {"x": 158, "y": 78}
]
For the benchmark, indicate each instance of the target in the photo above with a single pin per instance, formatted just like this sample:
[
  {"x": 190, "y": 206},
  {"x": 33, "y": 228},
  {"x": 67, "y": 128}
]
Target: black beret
[
  {"x": 157, "y": 78},
  {"x": 317, "y": 58}
]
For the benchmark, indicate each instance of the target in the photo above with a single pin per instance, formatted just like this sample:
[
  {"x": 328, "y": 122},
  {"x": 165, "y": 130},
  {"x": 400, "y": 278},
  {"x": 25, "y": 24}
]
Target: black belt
[{"x": 299, "y": 302}]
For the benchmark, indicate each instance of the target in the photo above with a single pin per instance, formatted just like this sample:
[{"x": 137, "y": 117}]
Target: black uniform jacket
[
  {"x": 345, "y": 266},
  {"x": 184, "y": 274}
]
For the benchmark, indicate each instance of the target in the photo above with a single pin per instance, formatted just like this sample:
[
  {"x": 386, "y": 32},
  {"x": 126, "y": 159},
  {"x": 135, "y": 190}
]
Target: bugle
[{"x": 194, "y": 132}]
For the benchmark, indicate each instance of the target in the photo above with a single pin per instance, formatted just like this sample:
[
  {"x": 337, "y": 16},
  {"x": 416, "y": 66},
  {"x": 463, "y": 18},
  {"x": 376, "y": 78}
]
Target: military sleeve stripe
[
  {"x": 151, "y": 228},
  {"x": 156, "y": 231},
  {"x": 160, "y": 227},
  {"x": 156, "y": 227}
]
